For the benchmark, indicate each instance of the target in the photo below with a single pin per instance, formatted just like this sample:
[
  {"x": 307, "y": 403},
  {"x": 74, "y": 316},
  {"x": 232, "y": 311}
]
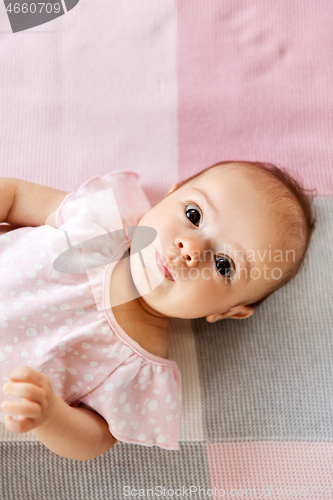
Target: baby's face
[{"x": 219, "y": 244}]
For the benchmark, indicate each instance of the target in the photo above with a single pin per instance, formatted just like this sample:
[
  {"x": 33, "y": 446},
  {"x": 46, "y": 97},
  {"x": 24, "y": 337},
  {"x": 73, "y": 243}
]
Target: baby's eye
[
  {"x": 224, "y": 266},
  {"x": 193, "y": 213}
]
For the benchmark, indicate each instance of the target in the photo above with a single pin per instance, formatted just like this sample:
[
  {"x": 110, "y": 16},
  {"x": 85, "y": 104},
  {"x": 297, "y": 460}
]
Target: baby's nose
[{"x": 191, "y": 250}]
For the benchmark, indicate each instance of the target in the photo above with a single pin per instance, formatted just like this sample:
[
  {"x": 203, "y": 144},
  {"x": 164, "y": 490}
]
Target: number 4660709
[{"x": 32, "y": 8}]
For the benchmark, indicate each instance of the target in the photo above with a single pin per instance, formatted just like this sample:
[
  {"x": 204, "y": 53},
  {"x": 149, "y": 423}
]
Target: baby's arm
[
  {"x": 25, "y": 203},
  {"x": 75, "y": 433}
]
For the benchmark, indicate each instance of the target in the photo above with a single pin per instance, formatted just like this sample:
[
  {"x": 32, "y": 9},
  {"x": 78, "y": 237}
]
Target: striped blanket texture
[{"x": 167, "y": 88}]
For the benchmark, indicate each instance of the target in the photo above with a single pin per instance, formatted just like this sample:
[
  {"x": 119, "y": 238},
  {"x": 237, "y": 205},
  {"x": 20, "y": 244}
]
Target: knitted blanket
[{"x": 166, "y": 89}]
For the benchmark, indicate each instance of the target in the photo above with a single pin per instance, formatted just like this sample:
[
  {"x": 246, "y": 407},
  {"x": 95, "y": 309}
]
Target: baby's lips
[
  {"x": 168, "y": 269},
  {"x": 168, "y": 274},
  {"x": 163, "y": 266}
]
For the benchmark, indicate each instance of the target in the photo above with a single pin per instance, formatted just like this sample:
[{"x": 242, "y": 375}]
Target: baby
[{"x": 96, "y": 364}]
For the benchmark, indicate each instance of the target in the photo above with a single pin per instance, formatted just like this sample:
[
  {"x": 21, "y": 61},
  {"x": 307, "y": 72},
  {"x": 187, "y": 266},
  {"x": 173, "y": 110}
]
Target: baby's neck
[{"x": 149, "y": 332}]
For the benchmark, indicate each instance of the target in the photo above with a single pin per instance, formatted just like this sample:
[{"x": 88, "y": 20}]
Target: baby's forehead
[
  {"x": 236, "y": 175},
  {"x": 267, "y": 192},
  {"x": 232, "y": 170},
  {"x": 232, "y": 179}
]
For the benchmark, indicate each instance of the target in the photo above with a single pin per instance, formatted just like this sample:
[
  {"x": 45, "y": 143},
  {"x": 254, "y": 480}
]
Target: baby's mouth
[{"x": 162, "y": 267}]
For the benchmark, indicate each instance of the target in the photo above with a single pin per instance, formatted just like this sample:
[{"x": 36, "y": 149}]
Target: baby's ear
[
  {"x": 238, "y": 312},
  {"x": 173, "y": 188}
]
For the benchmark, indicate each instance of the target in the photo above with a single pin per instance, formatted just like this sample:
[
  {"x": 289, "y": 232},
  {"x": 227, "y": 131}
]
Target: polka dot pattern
[{"x": 55, "y": 322}]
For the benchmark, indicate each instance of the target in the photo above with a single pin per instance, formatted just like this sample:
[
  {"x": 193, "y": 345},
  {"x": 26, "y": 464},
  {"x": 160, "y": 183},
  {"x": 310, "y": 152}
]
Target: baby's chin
[
  {"x": 158, "y": 299},
  {"x": 154, "y": 309},
  {"x": 157, "y": 306}
]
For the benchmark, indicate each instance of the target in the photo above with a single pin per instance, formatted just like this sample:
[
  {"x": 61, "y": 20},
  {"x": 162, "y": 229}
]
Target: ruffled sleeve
[
  {"x": 92, "y": 222},
  {"x": 110, "y": 202},
  {"x": 141, "y": 402}
]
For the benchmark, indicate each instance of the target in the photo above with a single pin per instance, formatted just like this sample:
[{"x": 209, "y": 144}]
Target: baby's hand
[{"x": 38, "y": 397}]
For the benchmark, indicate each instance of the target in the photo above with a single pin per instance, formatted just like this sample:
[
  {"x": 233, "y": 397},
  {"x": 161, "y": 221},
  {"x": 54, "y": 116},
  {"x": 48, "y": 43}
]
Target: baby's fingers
[
  {"x": 24, "y": 391},
  {"x": 19, "y": 426},
  {"x": 25, "y": 408},
  {"x": 26, "y": 374}
]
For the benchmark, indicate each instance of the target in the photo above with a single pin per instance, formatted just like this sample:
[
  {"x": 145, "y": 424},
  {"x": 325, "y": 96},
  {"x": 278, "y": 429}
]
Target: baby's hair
[{"x": 291, "y": 202}]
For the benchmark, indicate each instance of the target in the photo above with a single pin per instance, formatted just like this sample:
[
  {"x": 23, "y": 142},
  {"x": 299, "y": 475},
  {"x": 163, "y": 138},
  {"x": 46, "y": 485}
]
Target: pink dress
[{"x": 61, "y": 323}]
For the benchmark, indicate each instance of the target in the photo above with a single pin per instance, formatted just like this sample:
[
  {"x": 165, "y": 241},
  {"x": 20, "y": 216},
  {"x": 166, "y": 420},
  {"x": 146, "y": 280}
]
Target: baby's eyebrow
[
  {"x": 237, "y": 247},
  {"x": 208, "y": 200}
]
